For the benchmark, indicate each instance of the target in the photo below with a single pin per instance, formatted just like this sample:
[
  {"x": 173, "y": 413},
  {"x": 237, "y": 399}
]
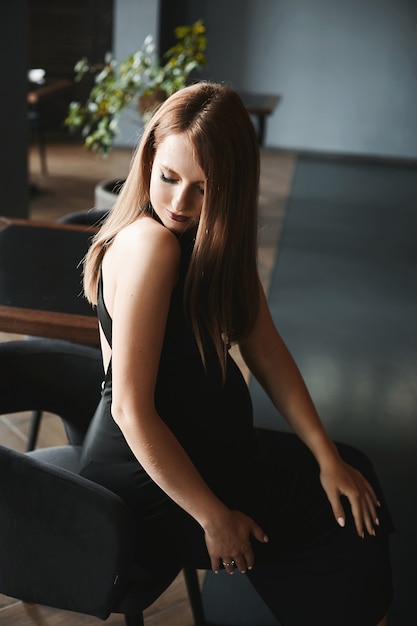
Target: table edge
[{"x": 51, "y": 324}]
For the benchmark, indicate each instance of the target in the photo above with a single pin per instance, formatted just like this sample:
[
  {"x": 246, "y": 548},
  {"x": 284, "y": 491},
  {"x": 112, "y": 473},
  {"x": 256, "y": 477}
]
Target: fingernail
[
  {"x": 216, "y": 571},
  {"x": 250, "y": 567},
  {"x": 377, "y": 521},
  {"x": 341, "y": 521},
  {"x": 363, "y": 535},
  {"x": 266, "y": 538}
]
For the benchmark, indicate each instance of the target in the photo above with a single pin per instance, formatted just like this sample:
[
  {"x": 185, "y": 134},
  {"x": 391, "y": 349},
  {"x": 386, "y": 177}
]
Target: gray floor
[{"x": 344, "y": 296}]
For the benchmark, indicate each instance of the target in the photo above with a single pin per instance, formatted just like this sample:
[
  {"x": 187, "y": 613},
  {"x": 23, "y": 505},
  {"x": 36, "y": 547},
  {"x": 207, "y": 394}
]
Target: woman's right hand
[{"x": 228, "y": 541}]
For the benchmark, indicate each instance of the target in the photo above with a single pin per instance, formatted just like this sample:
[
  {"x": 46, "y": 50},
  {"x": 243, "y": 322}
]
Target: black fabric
[
  {"x": 328, "y": 582},
  {"x": 52, "y": 375},
  {"x": 40, "y": 268},
  {"x": 65, "y": 457},
  {"x": 67, "y": 542},
  {"x": 203, "y": 416},
  {"x": 64, "y": 541},
  {"x": 276, "y": 481}
]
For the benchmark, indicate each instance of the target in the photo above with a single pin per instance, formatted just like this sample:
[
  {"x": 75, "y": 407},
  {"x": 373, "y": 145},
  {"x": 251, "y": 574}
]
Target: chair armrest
[
  {"x": 52, "y": 375},
  {"x": 65, "y": 541}
]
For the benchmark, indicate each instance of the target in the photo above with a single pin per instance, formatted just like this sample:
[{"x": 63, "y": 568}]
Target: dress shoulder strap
[{"x": 105, "y": 320}]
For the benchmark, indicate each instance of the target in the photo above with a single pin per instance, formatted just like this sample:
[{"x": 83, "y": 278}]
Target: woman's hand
[
  {"x": 228, "y": 541},
  {"x": 340, "y": 479}
]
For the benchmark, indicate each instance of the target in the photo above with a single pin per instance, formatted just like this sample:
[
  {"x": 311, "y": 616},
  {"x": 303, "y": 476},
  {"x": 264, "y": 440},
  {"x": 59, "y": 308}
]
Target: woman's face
[{"x": 177, "y": 184}]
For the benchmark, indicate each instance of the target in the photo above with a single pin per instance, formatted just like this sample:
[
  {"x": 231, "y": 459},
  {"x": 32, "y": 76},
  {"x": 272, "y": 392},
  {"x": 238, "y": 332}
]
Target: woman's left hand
[{"x": 340, "y": 479}]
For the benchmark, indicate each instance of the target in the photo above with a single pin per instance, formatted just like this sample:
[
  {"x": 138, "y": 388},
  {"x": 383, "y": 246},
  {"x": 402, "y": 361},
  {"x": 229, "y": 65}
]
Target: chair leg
[
  {"x": 194, "y": 594},
  {"x": 35, "y": 422},
  {"x": 134, "y": 620}
]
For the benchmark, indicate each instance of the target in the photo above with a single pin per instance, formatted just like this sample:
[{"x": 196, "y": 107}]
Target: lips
[{"x": 176, "y": 217}]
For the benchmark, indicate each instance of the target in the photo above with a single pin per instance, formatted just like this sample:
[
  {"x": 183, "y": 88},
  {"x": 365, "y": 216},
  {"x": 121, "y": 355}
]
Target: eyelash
[
  {"x": 172, "y": 181},
  {"x": 165, "y": 179}
]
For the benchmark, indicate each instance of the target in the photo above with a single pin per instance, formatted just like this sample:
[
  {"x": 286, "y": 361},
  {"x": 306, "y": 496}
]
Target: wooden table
[
  {"x": 261, "y": 106},
  {"x": 40, "y": 280},
  {"x": 36, "y": 96},
  {"x": 41, "y": 91}
]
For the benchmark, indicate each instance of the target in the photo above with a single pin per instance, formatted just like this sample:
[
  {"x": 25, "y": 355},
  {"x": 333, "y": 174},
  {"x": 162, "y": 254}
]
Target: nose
[{"x": 179, "y": 200}]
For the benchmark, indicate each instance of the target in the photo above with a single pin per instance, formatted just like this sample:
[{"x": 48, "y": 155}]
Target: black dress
[{"x": 268, "y": 475}]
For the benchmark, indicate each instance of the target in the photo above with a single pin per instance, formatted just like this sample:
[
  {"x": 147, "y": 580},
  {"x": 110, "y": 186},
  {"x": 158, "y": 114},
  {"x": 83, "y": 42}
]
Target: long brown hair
[{"x": 222, "y": 287}]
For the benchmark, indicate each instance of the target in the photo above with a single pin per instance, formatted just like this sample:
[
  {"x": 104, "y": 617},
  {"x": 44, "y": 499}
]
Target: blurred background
[
  {"x": 346, "y": 71},
  {"x": 346, "y": 74}
]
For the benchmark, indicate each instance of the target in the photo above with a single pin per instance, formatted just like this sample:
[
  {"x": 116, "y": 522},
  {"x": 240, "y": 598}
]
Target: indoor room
[{"x": 330, "y": 88}]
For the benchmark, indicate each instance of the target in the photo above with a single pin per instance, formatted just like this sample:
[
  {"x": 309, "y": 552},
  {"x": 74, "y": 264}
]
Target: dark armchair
[
  {"x": 65, "y": 541},
  {"x": 92, "y": 217}
]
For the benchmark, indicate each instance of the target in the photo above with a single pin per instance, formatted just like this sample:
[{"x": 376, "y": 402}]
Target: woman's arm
[
  {"x": 271, "y": 363},
  {"x": 140, "y": 271}
]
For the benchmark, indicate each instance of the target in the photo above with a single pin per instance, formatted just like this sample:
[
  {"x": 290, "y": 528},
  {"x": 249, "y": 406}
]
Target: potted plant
[{"x": 141, "y": 79}]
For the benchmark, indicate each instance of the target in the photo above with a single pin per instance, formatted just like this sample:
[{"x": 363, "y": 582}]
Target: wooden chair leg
[
  {"x": 34, "y": 429},
  {"x": 194, "y": 594}
]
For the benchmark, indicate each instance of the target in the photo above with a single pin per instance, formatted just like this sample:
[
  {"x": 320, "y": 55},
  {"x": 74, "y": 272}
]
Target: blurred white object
[{"x": 36, "y": 75}]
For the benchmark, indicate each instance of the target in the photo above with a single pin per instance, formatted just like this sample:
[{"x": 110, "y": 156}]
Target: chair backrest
[
  {"x": 65, "y": 542},
  {"x": 52, "y": 375},
  {"x": 92, "y": 217}
]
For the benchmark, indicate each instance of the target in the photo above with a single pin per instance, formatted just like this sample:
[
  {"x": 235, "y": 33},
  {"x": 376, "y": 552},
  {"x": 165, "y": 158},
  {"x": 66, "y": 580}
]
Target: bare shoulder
[
  {"x": 144, "y": 248},
  {"x": 144, "y": 241}
]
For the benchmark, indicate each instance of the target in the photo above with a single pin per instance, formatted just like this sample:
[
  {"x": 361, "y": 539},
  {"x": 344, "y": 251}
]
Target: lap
[
  {"x": 337, "y": 579},
  {"x": 311, "y": 571},
  {"x": 288, "y": 482},
  {"x": 280, "y": 489}
]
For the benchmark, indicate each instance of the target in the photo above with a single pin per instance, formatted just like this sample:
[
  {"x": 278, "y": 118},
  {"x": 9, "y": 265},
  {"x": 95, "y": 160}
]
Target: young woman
[{"x": 173, "y": 273}]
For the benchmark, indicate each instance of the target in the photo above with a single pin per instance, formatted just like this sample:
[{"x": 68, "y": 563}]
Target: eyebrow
[{"x": 168, "y": 169}]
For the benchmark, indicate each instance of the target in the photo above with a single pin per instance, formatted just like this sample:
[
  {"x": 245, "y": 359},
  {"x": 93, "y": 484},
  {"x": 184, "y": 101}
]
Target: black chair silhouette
[
  {"x": 91, "y": 217},
  {"x": 65, "y": 541},
  {"x": 37, "y": 374}
]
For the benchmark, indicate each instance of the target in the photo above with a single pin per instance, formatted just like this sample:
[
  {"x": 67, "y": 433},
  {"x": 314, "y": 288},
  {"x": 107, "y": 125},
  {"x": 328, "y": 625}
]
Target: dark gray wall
[
  {"x": 13, "y": 109},
  {"x": 347, "y": 70},
  {"x": 134, "y": 20}
]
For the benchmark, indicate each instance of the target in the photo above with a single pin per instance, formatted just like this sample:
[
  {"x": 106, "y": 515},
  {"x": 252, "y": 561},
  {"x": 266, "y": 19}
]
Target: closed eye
[
  {"x": 174, "y": 181},
  {"x": 168, "y": 180}
]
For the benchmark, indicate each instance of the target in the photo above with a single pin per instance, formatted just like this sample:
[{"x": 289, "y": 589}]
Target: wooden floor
[{"x": 69, "y": 187}]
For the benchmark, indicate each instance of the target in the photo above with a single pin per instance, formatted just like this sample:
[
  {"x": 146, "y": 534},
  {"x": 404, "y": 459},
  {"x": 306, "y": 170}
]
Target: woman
[{"x": 173, "y": 273}]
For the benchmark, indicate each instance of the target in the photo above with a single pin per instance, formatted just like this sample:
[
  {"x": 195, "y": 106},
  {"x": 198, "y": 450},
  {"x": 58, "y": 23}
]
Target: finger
[
  {"x": 245, "y": 560},
  {"x": 259, "y": 534},
  {"x": 371, "y": 516},
  {"x": 369, "y": 524},
  {"x": 229, "y": 565},
  {"x": 249, "y": 559},
  {"x": 371, "y": 503},
  {"x": 366, "y": 507},
  {"x": 372, "y": 493},
  {"x": 359, "y": 515},
  {"x": 240, "y": 563},
  {"x": 363, "y": 511},
  {"x": 337, "y": 509},
  {"x": 215, "y": 564},
  {"x": 374, "y": 505}
]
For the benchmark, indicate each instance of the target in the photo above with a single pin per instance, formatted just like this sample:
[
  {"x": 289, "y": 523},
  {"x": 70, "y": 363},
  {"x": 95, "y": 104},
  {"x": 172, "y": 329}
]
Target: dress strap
[{"x": 106, "y": 321}]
